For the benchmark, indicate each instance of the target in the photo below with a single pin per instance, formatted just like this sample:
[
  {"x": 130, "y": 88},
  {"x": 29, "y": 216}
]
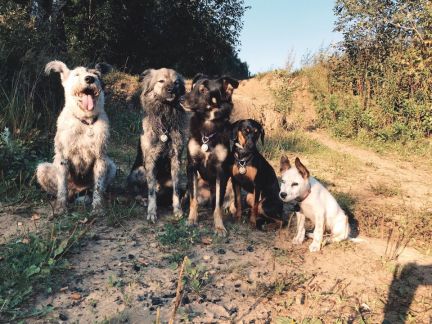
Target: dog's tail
[
  {"x": 349, "y": 238},
  {"x": 356, "y": 239}
]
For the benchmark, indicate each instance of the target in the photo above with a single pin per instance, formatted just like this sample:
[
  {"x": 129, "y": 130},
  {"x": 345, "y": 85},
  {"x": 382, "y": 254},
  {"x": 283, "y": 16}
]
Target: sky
[{"x": 275, "y": 30}]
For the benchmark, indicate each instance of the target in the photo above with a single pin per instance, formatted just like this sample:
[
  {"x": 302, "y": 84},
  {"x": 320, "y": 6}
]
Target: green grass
[
  {"x": 292, "y": 142},
  {"x": 36, "y": 262}
]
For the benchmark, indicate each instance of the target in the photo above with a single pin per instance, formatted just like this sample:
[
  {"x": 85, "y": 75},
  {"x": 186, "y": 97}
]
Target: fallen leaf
[
  {"x": 63, "y": 289},
  {"x": 35, "y": 217},
  {"x": 143, "y": 262},
  {"x": 25, "y": 241},
  {"x": 75, "y": 296},
  {"x": 20, "y": 224},
  {"x": 206, "y": 257},
  {"x": 206, "y": 240}
]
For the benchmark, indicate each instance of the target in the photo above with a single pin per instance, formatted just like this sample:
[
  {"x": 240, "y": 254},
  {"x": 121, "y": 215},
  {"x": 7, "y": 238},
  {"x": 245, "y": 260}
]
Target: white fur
[
  {"x": 76, "y": 144},
  {"x": 318, "y": 205}
]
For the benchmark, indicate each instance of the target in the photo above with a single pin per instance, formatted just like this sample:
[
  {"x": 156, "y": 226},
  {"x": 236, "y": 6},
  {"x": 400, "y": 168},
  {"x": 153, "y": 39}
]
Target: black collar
[
  {"x": 242, "y": 162},
  {"x": 85, "y": 122},
  {"x": 205, "y": 139}
]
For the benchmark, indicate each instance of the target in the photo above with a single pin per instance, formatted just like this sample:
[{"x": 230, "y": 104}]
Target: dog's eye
[
  {"x": 294, "y": 184},
  {"x": 161, "y": 81}
]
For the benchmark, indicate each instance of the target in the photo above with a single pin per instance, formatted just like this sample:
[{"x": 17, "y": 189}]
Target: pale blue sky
[{"x": 274, "y": 28}]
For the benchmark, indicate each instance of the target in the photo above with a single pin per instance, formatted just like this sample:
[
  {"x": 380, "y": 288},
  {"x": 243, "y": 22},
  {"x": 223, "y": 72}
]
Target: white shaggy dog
[
  {"x": 80, "y": 144},
  {"x": 316, "y": 203}
]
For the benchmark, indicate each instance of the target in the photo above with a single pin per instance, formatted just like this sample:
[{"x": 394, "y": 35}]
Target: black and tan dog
[
  {"x": 251, "y": 172},
  {"x": 208, "y": 147}
]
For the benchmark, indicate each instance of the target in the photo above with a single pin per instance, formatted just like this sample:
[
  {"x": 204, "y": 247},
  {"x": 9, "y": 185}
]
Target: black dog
[
  {"x": 208, "y": 149},
  {"x": 253, "y": 173}
]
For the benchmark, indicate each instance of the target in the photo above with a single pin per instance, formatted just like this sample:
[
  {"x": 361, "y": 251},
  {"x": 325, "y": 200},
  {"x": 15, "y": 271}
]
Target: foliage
[
  {"x": 196, "y": 277},
  {"x": 32, "y": 261},
  {"x": 377, "y": 83},
  {"x": 179, "y": 235},
  {"x": 283, "y": 91},
  {"x": 18, "y": 161}
]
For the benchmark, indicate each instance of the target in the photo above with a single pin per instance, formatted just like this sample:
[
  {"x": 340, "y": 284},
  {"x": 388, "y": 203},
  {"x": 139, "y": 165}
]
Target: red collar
[{"x": 300, "y": 199}]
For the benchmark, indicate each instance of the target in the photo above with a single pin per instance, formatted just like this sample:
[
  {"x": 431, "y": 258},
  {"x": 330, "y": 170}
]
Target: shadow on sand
[{"x": 402, "y": 290}]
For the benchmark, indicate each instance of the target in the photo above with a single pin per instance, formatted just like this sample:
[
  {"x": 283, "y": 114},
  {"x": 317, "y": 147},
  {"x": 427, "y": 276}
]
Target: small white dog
[
  {"x": 316, "y": 203},
  {"x": 80, "y": 143}
]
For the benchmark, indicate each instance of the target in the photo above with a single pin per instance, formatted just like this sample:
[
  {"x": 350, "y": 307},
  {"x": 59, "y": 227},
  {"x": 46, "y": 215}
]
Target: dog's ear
[
  {"x": 301, "y": 168},
  {"x": 144, "y": 74},
  {"x": 59, "y": 67},
  {"x": 197, "y": 77},
  {"x": 234, "y": 129},
  {"x": 229, "y": 84},
  {"x": 181, "y": 83},
  {"x": 284, "y": 163},
  {"x": 145, "y": 79},
  {"x": 103, "y": 68},
  {"x": 262, "y": 134}
]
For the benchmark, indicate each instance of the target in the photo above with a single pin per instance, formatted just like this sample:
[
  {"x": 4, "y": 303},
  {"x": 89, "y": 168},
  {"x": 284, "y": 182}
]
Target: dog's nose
[
  {"x": 283, "y": 195},
  {"x": 89, "y": 79}
]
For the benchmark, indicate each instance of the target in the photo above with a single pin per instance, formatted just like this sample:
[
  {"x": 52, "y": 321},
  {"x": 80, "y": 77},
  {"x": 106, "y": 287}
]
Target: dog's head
[
  {"x": 209, "y": 93},
  {"x": 83, "y": 86},
  {"x": 164, "y": 85},
  {"x": 246, "y": 133},
  {"x": 294, "y": 180}
]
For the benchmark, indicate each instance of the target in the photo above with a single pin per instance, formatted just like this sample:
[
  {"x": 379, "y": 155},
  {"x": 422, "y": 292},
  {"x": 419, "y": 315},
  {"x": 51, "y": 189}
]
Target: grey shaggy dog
[
  {"x": 80, "y": 144},
  {"x": 161, "y": 144}
]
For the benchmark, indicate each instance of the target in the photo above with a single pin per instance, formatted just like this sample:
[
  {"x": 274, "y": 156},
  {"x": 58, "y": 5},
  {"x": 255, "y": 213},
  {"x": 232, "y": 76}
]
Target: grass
[
  {"x": 382, "y": 189},
  {"x": 35, "y": 262}
]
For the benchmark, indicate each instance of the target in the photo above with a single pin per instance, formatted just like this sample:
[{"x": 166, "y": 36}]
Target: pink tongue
[{"x": 88, "y": 102}]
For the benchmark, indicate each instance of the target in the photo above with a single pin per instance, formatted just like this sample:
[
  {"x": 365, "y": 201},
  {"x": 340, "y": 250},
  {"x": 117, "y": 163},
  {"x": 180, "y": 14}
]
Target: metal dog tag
[
  {"x": 163, "y": 138},
  {"x": 242, "y": 170},
  {"x": 204, "y": 147}
]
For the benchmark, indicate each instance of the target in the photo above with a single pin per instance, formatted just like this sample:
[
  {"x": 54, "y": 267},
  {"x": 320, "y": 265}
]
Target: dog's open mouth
[{"x": 88, "y": 98}]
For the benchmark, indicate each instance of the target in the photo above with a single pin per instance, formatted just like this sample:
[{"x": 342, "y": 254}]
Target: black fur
[
  {"x": 211, "y": 104},
  {"x": 264, "y": 184}
]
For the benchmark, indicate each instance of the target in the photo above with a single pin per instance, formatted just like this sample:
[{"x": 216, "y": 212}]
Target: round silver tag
[
  {"x": 242, "y": 170},
  {"x": 204, "y": 147},
  {"x": 163, "y": 138}
]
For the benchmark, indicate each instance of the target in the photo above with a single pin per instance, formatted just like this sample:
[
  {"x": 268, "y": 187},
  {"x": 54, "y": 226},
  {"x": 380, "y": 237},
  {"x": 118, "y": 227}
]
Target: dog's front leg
[
  {"x": 151, "y": 183},
  {"x": 62, "y": 190},
  {"x": 317, "y": 234},
  {"x": 221, "y": 183},
  {"x": 237, "y": 199},
  {"x": 301, "y": 231},
  {"x": 100, "y": 171},
  {"x": 254, "y": 212},
  {"x": 175, "y": 167},
  {"x": 193, "y": 192}
]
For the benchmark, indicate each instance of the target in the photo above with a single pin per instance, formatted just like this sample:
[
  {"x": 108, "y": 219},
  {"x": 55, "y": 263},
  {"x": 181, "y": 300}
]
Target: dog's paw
[
  {"x": 297, "y": 240},
  {"x": 59, "y": 209},
  {"x": 151, "y": 216},
  {"x": 178, "y": 214},
  {"x": 315, "y": 246},
  {"x": 220, "y": 231},
  {"x": 97, "y": 211}
]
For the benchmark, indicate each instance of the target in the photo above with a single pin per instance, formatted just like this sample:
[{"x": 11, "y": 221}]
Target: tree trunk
[{"x": 37, "y": 12}]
